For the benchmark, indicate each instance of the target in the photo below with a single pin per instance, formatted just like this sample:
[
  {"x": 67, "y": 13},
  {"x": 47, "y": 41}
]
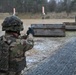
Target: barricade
[
  {"x": 46, "y": 30},
  {"x": 70, "y": 26}
]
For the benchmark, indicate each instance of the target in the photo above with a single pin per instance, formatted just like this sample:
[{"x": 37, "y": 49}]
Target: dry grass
[
  {"x": 62, "y": 15},
  {"x": 52, "y": 15},
  {"x": 30, "y": 16}
]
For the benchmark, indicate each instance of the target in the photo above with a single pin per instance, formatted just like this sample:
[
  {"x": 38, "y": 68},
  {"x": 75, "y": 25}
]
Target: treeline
[{"x": 35, "y": 6}]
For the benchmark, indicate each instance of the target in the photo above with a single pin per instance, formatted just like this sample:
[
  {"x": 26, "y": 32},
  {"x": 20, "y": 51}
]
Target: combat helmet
[{"x": 12, "y": 23}]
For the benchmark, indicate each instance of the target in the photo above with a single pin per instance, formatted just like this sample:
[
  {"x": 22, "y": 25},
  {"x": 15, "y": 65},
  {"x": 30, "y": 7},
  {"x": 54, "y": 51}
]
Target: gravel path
[{"x": 61, "y": 63}]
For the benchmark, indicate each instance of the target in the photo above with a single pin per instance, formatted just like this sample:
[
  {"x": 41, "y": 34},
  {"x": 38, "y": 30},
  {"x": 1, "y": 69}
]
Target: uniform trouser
[{"x": 15, "y": 67}]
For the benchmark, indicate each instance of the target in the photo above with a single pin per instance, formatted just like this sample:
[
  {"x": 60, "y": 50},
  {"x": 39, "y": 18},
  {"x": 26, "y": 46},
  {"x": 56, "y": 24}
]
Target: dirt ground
[
  {"x": 27, "y": 22},
  {"x": 44, "y": 46}
]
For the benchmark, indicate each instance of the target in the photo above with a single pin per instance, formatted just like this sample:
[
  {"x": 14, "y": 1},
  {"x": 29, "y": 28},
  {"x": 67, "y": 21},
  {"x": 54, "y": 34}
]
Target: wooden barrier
[
  {"x": 70, "y": 26},
  {"x": 54, "y": 30}
]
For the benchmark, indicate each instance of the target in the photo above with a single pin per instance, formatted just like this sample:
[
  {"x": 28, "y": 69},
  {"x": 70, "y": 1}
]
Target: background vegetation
[{"x": 35, "y": 6}]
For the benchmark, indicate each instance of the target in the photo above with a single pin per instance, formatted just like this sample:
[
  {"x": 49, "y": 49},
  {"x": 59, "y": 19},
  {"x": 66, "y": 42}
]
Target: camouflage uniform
[{"x": 13, "y": 48}]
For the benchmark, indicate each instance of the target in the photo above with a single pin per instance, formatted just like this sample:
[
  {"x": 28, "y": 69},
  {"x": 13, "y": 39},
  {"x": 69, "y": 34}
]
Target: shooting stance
[{"x": 13, "y": 47}]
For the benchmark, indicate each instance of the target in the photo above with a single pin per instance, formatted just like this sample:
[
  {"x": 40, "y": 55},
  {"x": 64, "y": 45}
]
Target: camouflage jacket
[
  {"x": 18, "y": 46},
  {"x": 14, "y": 50}
]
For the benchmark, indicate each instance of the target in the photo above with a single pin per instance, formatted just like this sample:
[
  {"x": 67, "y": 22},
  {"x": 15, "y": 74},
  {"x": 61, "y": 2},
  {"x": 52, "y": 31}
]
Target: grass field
[{"x": 52, "y": 15}]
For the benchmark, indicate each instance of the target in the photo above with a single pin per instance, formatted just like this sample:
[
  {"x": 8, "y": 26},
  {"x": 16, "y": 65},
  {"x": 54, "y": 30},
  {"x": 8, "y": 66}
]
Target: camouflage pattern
[
  {"x": 4, "y": 56},
  {"x": 13, "y": 47},
  {"x": 12, "y": 23},
  {"x": 13, "y": 53}
]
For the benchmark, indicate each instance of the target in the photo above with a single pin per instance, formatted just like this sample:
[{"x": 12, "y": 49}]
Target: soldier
[{"x": 13, "y": 47}]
